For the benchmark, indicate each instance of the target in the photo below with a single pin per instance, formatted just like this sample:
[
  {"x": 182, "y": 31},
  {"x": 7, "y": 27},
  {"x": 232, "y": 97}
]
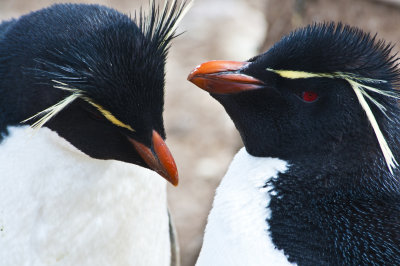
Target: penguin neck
[
  {"x": 119, "y": 210},
  {"x": 237, "y": 232},
  {"x": 326, "y": 212}
]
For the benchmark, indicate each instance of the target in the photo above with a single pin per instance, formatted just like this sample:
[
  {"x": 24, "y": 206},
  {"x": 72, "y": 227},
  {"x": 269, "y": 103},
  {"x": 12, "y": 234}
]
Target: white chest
[
  {"x": 61, "y": 207},
  {"x": 237, "y": 231}
]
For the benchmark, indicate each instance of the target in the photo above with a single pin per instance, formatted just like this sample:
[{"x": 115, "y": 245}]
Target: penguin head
[
  {"x": 96, "y": 77},
  {"x": 321, "y": 90}
]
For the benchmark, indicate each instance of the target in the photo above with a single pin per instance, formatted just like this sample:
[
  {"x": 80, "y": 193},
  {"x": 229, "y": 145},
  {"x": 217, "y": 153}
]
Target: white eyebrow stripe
[{"x": 359, "y": 90}]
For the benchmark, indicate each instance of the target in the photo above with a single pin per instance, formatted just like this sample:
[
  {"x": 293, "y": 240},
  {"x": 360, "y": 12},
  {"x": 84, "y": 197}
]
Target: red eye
[{"x": 309, "y": 96}]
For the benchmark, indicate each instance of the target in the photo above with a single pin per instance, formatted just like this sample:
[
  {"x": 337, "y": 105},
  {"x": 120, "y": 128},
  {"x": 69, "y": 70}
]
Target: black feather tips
[
  {"x": 159, "y": 26},
  {"x": 331, "y": 47},
  {"x": 110, "y": 39}
]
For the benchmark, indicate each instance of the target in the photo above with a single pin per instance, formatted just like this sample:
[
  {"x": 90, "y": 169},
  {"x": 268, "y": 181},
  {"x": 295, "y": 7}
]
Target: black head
[
  {"x": 298, "y": 100},
  {"x": 100, "y": 73}
]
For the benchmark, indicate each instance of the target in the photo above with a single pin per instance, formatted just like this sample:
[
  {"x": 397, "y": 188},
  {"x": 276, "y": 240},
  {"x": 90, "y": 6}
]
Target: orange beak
[
  {"x": 223, "y": 77},
  {"x": 158, "y": 158}
]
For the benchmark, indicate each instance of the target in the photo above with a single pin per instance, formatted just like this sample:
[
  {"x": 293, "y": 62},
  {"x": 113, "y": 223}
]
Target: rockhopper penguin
[
  {"x": 77, "y": 189},
  {"x": 318, "y": 180}
]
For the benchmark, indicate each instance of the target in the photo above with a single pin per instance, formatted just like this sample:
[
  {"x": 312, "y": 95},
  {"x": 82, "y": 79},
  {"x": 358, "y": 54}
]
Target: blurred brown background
[{"x": 200, "y": 135}]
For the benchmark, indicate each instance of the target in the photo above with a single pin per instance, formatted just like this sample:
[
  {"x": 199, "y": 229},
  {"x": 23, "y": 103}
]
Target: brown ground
[{"x": 200, "y": 135}]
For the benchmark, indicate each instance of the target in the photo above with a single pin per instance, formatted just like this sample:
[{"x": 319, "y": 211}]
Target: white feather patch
[
  {"x": 60, "y": 207},
  {"x": 237, "y": 231}
]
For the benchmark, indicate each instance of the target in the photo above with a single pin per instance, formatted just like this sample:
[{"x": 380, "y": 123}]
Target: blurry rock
[
  {"x": 375, "y": 16},
  {"x": 394, "y": 2}
]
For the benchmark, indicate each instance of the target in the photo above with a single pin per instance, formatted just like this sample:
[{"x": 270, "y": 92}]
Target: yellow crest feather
[
  {"x": 52, "y": 111},
  {"x": 107, "y": 114}
]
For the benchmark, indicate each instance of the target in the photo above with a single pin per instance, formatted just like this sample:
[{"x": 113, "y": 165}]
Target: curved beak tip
[
  {"x": 175, "y": 183},
  {"x": 167, "y": 162},
  {"x": 193, "y": 73},
  {"x": 158, "y": 158}
]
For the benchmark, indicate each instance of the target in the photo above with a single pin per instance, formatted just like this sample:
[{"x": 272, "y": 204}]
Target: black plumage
[{"x": 339, "y": 201}]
